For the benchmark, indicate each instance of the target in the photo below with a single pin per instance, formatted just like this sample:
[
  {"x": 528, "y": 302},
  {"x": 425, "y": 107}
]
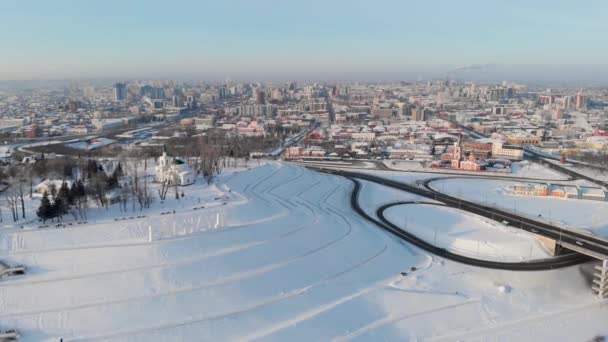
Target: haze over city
[{"x": 349, "y": 40}]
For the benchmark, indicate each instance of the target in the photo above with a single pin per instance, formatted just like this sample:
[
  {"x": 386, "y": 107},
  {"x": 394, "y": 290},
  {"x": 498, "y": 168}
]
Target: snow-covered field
[
  {"x": 405, "y": 165},
  {"x": 460, "y": 232},
  {"x": 584, "y": 214},
  {"x": 527, "y": 169},
  {"x": 465, "y": 234},
  {"x": 285, "y": 259},
  {"x": 585, "y": 170},
  {"x": 338, "y": 164},
  {"x": 523, "y": 169}
]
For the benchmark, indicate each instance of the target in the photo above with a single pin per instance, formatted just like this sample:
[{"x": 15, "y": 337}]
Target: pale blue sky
[{"x": 241, "y": 38}]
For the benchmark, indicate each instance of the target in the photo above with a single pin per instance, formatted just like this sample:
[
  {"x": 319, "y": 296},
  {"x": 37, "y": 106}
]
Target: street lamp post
[{"x": 459, "y": 198}]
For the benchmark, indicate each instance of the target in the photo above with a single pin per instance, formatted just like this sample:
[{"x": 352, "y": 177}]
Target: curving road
[
  {"x": 582, "y": 242},
  {"x": 533, "y": 265},
  {"x": 380, "y": 166},
  {"x": 572, "y": 174}
]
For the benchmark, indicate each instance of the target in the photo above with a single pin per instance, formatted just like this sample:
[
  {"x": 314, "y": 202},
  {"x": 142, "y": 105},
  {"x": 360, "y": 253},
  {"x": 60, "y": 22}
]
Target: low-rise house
[
  {"x": 47, "y": 184},
  {"x": 530, "y": 189},
  {"x": 500, "y": 150},
  {"x": 595, "y": 194}
]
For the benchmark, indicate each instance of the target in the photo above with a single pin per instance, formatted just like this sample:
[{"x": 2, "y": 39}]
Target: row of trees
[
  {"x": 63, "y": 200},
  {"x": 207, "y": 155},
  {"x": 95, "y": 184},
  {"x": 74, "y": 199}
]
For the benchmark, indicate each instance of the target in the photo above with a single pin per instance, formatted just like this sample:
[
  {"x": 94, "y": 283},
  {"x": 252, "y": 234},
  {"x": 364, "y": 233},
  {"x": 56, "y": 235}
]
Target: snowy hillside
[{"x": 284, "y": 259}]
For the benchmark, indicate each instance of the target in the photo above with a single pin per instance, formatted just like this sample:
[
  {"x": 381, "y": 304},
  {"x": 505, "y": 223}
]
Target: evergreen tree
[
  {"x": 53, "y": 191},
  {"x": 113, "y": 180},
  {"x": 81, "y": 191},
  {"x": 44, "y": 211},
  {"x": 68, "y": 171},
  {"x": 59, "y": 207},
  {"x": 73, "y": 195},
  {"x": 92, "y": 168},
  {"x": 64, "y": 192},
  {"x": 118, "y": 171}
]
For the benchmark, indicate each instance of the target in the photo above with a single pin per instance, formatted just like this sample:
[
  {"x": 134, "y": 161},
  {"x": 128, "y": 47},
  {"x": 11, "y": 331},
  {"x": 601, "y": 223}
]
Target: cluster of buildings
[
  {"x": 423, "y": 120},
  {"x": 458, "y": 162},
  {"x": 419, "y": 120},
  {"x": 432, "y": 140},
  {"x": 60, "y": 110},
  {"x": 559, "y": 191},
  {"x": 481, "y": 157}
]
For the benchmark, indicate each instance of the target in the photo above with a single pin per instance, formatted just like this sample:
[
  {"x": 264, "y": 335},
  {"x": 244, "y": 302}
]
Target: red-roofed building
[{"x": 600, "y": 133}]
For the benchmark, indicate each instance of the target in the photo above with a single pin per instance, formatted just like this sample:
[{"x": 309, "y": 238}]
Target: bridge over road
[{"x": 571, "y": 239}]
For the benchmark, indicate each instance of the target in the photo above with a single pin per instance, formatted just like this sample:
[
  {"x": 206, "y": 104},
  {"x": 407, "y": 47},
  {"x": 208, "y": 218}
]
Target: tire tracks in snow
[
  {"x": 220, "y": 282},
  {"x": 290, "y": 294},
  {"x": 227, "y": 280},
  {"x": 495, "y": 328},
  {"x": 142, "y": 243},
  {"x": 312, "y": 313},
  {"x": 390, "y": 319},
  {"x": 270, "y": 301},
  {"x": 167, "y": 266},
  {"x": 161, "y": 265}
]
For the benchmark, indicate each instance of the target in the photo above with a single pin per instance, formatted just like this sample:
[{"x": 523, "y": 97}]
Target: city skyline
[{"x": 542, "y": 41}]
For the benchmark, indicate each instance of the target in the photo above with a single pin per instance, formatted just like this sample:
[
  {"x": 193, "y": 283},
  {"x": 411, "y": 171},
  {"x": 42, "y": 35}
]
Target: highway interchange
[{"x": 585, "y": 244}]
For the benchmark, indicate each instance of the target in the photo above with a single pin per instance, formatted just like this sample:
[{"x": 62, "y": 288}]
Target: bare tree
[
  {"x": 162, "y": 192},
  {"x": 20, "y": 193},
  {"x": 11, "y": 199},
  {"x": 81, "y": 201},
  {"x": 98, "y": 188},
  {"x": 125, "y": 192},
  {"x": 142, "y": 199},
  {"x": 148, "y": 198}
]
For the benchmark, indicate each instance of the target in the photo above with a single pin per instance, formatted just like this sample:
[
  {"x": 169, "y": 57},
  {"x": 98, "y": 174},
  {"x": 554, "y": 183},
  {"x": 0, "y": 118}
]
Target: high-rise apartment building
[
  {"x": 580, "y": 102},
  {"x": 120, "y": 92}
]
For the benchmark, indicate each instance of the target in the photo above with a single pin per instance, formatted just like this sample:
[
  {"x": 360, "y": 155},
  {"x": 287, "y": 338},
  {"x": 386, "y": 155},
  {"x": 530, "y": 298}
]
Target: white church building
[{"x": 174, "y": 171}]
